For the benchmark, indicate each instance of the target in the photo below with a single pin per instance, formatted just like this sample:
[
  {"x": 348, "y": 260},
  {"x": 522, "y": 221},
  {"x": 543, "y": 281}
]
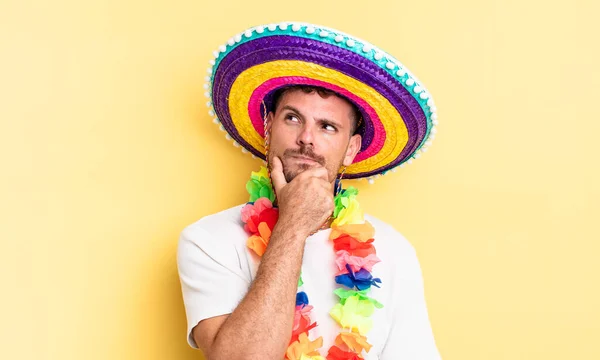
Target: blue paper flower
[
  {"x": 360, "y": 280},
  {"x": 301, "y": 298}
]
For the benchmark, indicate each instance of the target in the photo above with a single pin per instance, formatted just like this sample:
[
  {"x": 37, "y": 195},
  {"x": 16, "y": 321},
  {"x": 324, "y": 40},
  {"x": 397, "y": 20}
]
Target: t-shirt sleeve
[
  {"x": 411, "y": 336},
  {"x": 211, "y": 280}
]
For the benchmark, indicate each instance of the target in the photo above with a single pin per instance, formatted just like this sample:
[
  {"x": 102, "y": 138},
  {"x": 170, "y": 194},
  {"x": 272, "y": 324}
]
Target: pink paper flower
[
  {"x": 302, "y": 322},
  {"x": 261, "y": 211},
  {"x": 343, "y": 257}
]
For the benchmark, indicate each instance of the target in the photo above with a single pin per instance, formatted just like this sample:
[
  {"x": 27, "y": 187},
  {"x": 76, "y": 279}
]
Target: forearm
[{"x": 261, "y": 325}]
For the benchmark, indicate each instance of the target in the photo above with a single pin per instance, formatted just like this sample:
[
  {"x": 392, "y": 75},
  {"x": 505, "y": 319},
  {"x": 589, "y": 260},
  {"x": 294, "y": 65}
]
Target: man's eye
[
  {"x": 329, "y": 127},
  {"x": 292, "y": 118}
]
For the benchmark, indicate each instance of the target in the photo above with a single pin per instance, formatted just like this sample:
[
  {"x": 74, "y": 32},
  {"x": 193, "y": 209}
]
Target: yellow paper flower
[
  {"x": 261, "y": 173},
  {"x": 352, "y": 214},
  {"x": 361, "y": 232},
  {"x": 304, "y": 347},
  {"x": 354, "y": 315}
]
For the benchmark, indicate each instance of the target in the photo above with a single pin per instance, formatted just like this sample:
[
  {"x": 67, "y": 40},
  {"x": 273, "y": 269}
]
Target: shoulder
[
  {"x": 393, "y": 248},
  {"x": 215, "y": 224},
  {"x": 215, "y": 233},
  {"x": 388, "y": 238}
]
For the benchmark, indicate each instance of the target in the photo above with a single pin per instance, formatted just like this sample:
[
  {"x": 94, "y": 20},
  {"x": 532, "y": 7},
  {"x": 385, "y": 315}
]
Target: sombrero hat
[{"x": 399, "y": 115}]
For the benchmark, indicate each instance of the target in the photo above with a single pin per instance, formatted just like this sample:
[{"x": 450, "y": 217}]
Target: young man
[{"x": 248, "y": 272}]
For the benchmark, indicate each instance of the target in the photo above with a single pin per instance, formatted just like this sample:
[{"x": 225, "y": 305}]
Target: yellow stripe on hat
[{"x": 251, "y": 78}]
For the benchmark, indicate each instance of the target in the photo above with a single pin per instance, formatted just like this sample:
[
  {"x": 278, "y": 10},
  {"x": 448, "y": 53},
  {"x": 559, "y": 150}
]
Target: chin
[{"x": 290, "y": 172}]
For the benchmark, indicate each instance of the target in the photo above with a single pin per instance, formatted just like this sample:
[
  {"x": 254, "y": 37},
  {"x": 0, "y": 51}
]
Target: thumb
[{"x": 277, "y": 176}]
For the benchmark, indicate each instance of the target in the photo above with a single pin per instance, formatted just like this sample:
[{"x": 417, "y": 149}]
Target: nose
[{"x": 305, "y": 137}]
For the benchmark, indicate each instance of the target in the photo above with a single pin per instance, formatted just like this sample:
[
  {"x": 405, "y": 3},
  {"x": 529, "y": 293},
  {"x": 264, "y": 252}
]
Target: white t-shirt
[{"x": 216, "y": 270}]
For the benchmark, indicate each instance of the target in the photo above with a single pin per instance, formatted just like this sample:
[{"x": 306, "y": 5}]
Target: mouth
[{"x": 304, "y": 159}]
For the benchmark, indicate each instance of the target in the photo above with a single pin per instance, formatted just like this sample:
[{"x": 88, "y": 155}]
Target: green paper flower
[
  {"x": 342, "y": 200},
  {"x": 259, "y": 186},
  {"x": 344, "y": 294}
]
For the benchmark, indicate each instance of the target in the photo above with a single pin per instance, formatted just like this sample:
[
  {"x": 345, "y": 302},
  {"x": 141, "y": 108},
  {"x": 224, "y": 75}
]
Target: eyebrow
[{"x": 319, "y": 120}]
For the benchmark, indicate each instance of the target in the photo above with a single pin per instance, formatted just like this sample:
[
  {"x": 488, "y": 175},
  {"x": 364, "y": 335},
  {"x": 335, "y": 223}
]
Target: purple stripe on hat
[{"x": 274, "y": 48}]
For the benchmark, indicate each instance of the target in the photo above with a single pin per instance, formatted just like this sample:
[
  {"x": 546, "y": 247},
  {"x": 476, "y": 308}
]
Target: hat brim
[{"x": 396, "y": 109}]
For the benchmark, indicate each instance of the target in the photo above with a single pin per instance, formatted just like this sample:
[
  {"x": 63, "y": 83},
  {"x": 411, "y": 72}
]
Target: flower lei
[{"x": 352, "y": 238}]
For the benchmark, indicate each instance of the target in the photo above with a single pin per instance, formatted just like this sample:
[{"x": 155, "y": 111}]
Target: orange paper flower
[
  {"x": 258, "y": 243},
  {"x": 354, "y": 341}
]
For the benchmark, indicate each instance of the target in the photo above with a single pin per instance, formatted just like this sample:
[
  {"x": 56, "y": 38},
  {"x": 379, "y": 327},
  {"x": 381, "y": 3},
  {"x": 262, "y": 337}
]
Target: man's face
[{"x": 308, "y": 130}]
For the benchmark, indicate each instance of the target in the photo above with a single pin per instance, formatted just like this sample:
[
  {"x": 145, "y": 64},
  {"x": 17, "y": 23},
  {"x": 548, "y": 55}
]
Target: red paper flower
[
  {"x": 261, "y": 211},
  {"x": 335, "y": 353},
  {"x": 353, "y": 246},
  {"x": 302, "y": 322}
]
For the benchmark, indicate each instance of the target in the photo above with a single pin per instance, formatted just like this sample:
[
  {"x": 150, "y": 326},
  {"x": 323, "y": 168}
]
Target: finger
[
  {"x": 322, "y": 184},
  {"x": 326, "y": 196},
  {"x": 322, "y": 173},
  {"x": 328, "y": 187},
  {"x": 277, "y": 176}
]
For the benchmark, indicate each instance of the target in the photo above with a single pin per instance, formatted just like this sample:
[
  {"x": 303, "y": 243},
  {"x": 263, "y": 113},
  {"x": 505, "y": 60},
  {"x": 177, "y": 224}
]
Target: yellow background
[{"x": 107, "y": 153}]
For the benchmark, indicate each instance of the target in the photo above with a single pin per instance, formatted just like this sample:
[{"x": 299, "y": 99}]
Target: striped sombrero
[{"x": 399, "y": 114}]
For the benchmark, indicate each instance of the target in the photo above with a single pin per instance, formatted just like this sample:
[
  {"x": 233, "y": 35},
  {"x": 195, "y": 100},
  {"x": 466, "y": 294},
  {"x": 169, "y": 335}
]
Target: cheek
[
  {"x": 335, "y": 152},
  {"x": 281, "y": 135},
  {"x": 276, "y": 144}
]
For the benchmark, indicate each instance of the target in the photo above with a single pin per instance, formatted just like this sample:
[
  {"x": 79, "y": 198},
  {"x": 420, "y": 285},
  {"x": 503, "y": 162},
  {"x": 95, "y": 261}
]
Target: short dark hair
[{"x": 324, "y": 93}]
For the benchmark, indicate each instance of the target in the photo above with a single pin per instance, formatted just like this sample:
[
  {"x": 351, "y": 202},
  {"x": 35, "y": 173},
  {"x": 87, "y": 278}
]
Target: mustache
[{"x": 305, "y": 152}]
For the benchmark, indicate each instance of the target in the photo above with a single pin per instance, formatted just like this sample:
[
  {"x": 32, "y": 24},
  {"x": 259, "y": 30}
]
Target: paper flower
[
  {"x": 261, "y": 211},
  {"x": 304, "y": 347},
  {"x": 363, "y": 308},
  {"x": 353, "y": 315},
  {"x": 362, "y": 279},
  {"x": 302, "y": 314},
  {"x": 351, "y": 214},
  {"x": 344, "y": 294},
  {"x": 342, "y": 199},
  {"x": 353, "y": 246},
  {"x": 302, "y": 322},
  {"x": 361, "y": 232},
  {"x": 316, "y": 357},
  {"x": 344, "y": 258},
  {"x": 301, "y": 298},
  {"x": 355, "y": 342},
  {"x": 258, "y": 243},
  {"x": 335, "y": 353},
  {"x": 259, "y": 186}
]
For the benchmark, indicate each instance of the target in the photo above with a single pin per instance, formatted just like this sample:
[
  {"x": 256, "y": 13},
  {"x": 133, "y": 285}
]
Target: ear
[
  {"x": 269, "y": 121},
  {"x": 352, "y": 150}
]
